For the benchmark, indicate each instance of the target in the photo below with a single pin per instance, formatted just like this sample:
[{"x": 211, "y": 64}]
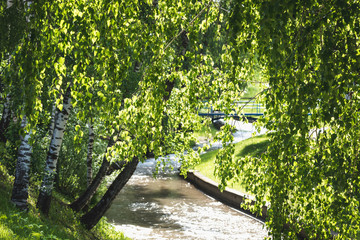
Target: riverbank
[
  {"x": 250, "y": 146},
  {"x": 229, "y": 196},
  {"x": 204, "y": 179},
  {"x": 62, "y": 222}
]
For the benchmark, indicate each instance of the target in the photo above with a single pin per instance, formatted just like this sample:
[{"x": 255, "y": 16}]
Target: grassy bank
[
  {"x": 206, "y": 133},
  {"x": 62, "y": 222},
  {"x": 250, "y": 147}
]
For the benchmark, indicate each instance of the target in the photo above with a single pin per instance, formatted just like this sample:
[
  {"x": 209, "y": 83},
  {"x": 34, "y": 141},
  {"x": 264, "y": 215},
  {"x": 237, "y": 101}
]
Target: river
[{"x": 168, "y": 207}]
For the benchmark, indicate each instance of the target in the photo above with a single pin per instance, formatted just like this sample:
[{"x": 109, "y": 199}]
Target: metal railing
[{"x": 249, "y": 108}]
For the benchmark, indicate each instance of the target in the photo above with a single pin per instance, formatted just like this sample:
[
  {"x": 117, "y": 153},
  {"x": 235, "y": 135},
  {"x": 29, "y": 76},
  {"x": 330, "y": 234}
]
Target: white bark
[
  {"x": 89, "y": 154},
  {"x": 52, "y": 121},
  {"x": 21, "y": 183},
  {"x": 53, "y": 154},
  {"x": 9, "y": 3},
  {"x": 7, "y": 112},
  {"x": 5, "y": 119}
]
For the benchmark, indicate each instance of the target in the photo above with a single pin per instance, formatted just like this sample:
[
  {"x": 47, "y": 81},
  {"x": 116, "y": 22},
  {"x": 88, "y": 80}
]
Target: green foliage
[
  {"x": 252, "y": 89},
  {"x": 140, "y": 69},
  {"x": 97, "y": 48},
  {"x": 5, "y": 176},
  {"x": 40, "y": 142},
  {"x": 107, "y": 231},
  {"x": 8, "y": 150},
  {"x": 61, "y": 224},
  {"x": 123, "y": 59},
  {"x": 252, "y": 147},
  {"x": 12, "y": 27},
  {"x": 72, "y": 169},
  {"x": 206, "y": 132},
  {"x": 309, "y": 50}
]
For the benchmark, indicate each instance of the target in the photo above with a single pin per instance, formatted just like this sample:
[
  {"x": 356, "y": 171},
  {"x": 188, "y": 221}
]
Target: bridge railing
[{"x": 249, "y": 108}]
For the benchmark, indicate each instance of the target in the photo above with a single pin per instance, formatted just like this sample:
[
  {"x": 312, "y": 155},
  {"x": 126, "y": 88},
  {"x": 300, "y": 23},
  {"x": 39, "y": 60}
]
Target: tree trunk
[
  {"x": 5, "y": 119},
  {"x": 85, "y": 198},
  {"x": 51, "y": 132},
  {"x": 21, "y": 183},
  {"x": 52, "y": 121},
  {"x": 9, "y": 3},
  {"x": 118, "y": 165},
  {"x": 44, "y": 198},
  {"x": 20, "y": 190},
  {"x": 91, "y": 218},
  {"x": 90, "y": 153}
]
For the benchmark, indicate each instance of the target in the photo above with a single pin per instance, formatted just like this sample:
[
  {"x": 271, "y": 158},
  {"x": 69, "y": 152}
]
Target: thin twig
[
  {"x": 190, "y": 24},
  {"x": 173, "y": 39},
  {"x": 243, "y": 80},
  {"x": 254, "y": 98}
]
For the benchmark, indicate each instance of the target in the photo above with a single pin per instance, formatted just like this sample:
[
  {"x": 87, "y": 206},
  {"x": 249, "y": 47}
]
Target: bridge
[{"x": 250, "y": 108}]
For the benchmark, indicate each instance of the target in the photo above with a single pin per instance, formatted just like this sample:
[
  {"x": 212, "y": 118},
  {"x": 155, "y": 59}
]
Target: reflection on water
[{"x": 170, "y": 208}]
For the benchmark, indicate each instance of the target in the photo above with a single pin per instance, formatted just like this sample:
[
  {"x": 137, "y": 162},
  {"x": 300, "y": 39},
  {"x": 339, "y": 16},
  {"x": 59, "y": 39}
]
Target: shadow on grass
[
  {"x": 254, "y": 150},
  {"x": 209, "y": 156},
  {"x": 252, "y": 147}
]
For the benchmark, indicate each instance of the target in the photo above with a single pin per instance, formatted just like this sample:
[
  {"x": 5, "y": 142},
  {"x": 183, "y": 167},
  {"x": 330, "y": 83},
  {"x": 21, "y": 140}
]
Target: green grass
[
  {"x": 250, "y": 147},
  {"x": 251, "y": 90},
  {"x": 206, "y": 133},
  {"x": 62, "y": 222}
]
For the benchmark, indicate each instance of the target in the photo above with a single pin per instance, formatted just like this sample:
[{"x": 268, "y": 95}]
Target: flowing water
[{"x": 168, "y": 207}]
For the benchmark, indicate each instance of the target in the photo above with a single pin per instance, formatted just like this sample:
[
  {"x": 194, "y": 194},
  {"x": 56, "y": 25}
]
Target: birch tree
[
  {"x": 309, "y": 51},
  {"x": 144, "y": 107},
  {"x": 90, "y": 153},
  {"x": 5, "y": 119},
  {"x": 61, "y": 117},
  {"x": 63, "y": 45},
  {"x": 94, "y": 45},
  {"x": 22, "y": 175}
]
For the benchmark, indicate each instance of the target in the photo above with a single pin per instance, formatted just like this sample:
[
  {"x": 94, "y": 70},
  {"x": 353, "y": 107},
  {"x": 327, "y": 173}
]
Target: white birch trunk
[
  {"x": 52, "y": 121},
  {"x": 9, "y": 3},
  {"x": 7, "y": 112},
  {"x": 21, "y": 183},
  {"x": 5, "y": 119},
  {"x": 22, "y": 172},
  {"x": 44, "y": 198},
  {"x": 89, "y": 154}
]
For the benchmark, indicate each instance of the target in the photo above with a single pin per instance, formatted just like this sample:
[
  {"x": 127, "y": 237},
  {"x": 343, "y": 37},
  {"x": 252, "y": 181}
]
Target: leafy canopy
[{"x": 309, "y": 51}]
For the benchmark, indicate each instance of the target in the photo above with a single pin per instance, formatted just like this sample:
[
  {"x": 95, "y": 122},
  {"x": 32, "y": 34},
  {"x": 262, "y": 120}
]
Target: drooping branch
[{"x": 189, "y": 25}]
